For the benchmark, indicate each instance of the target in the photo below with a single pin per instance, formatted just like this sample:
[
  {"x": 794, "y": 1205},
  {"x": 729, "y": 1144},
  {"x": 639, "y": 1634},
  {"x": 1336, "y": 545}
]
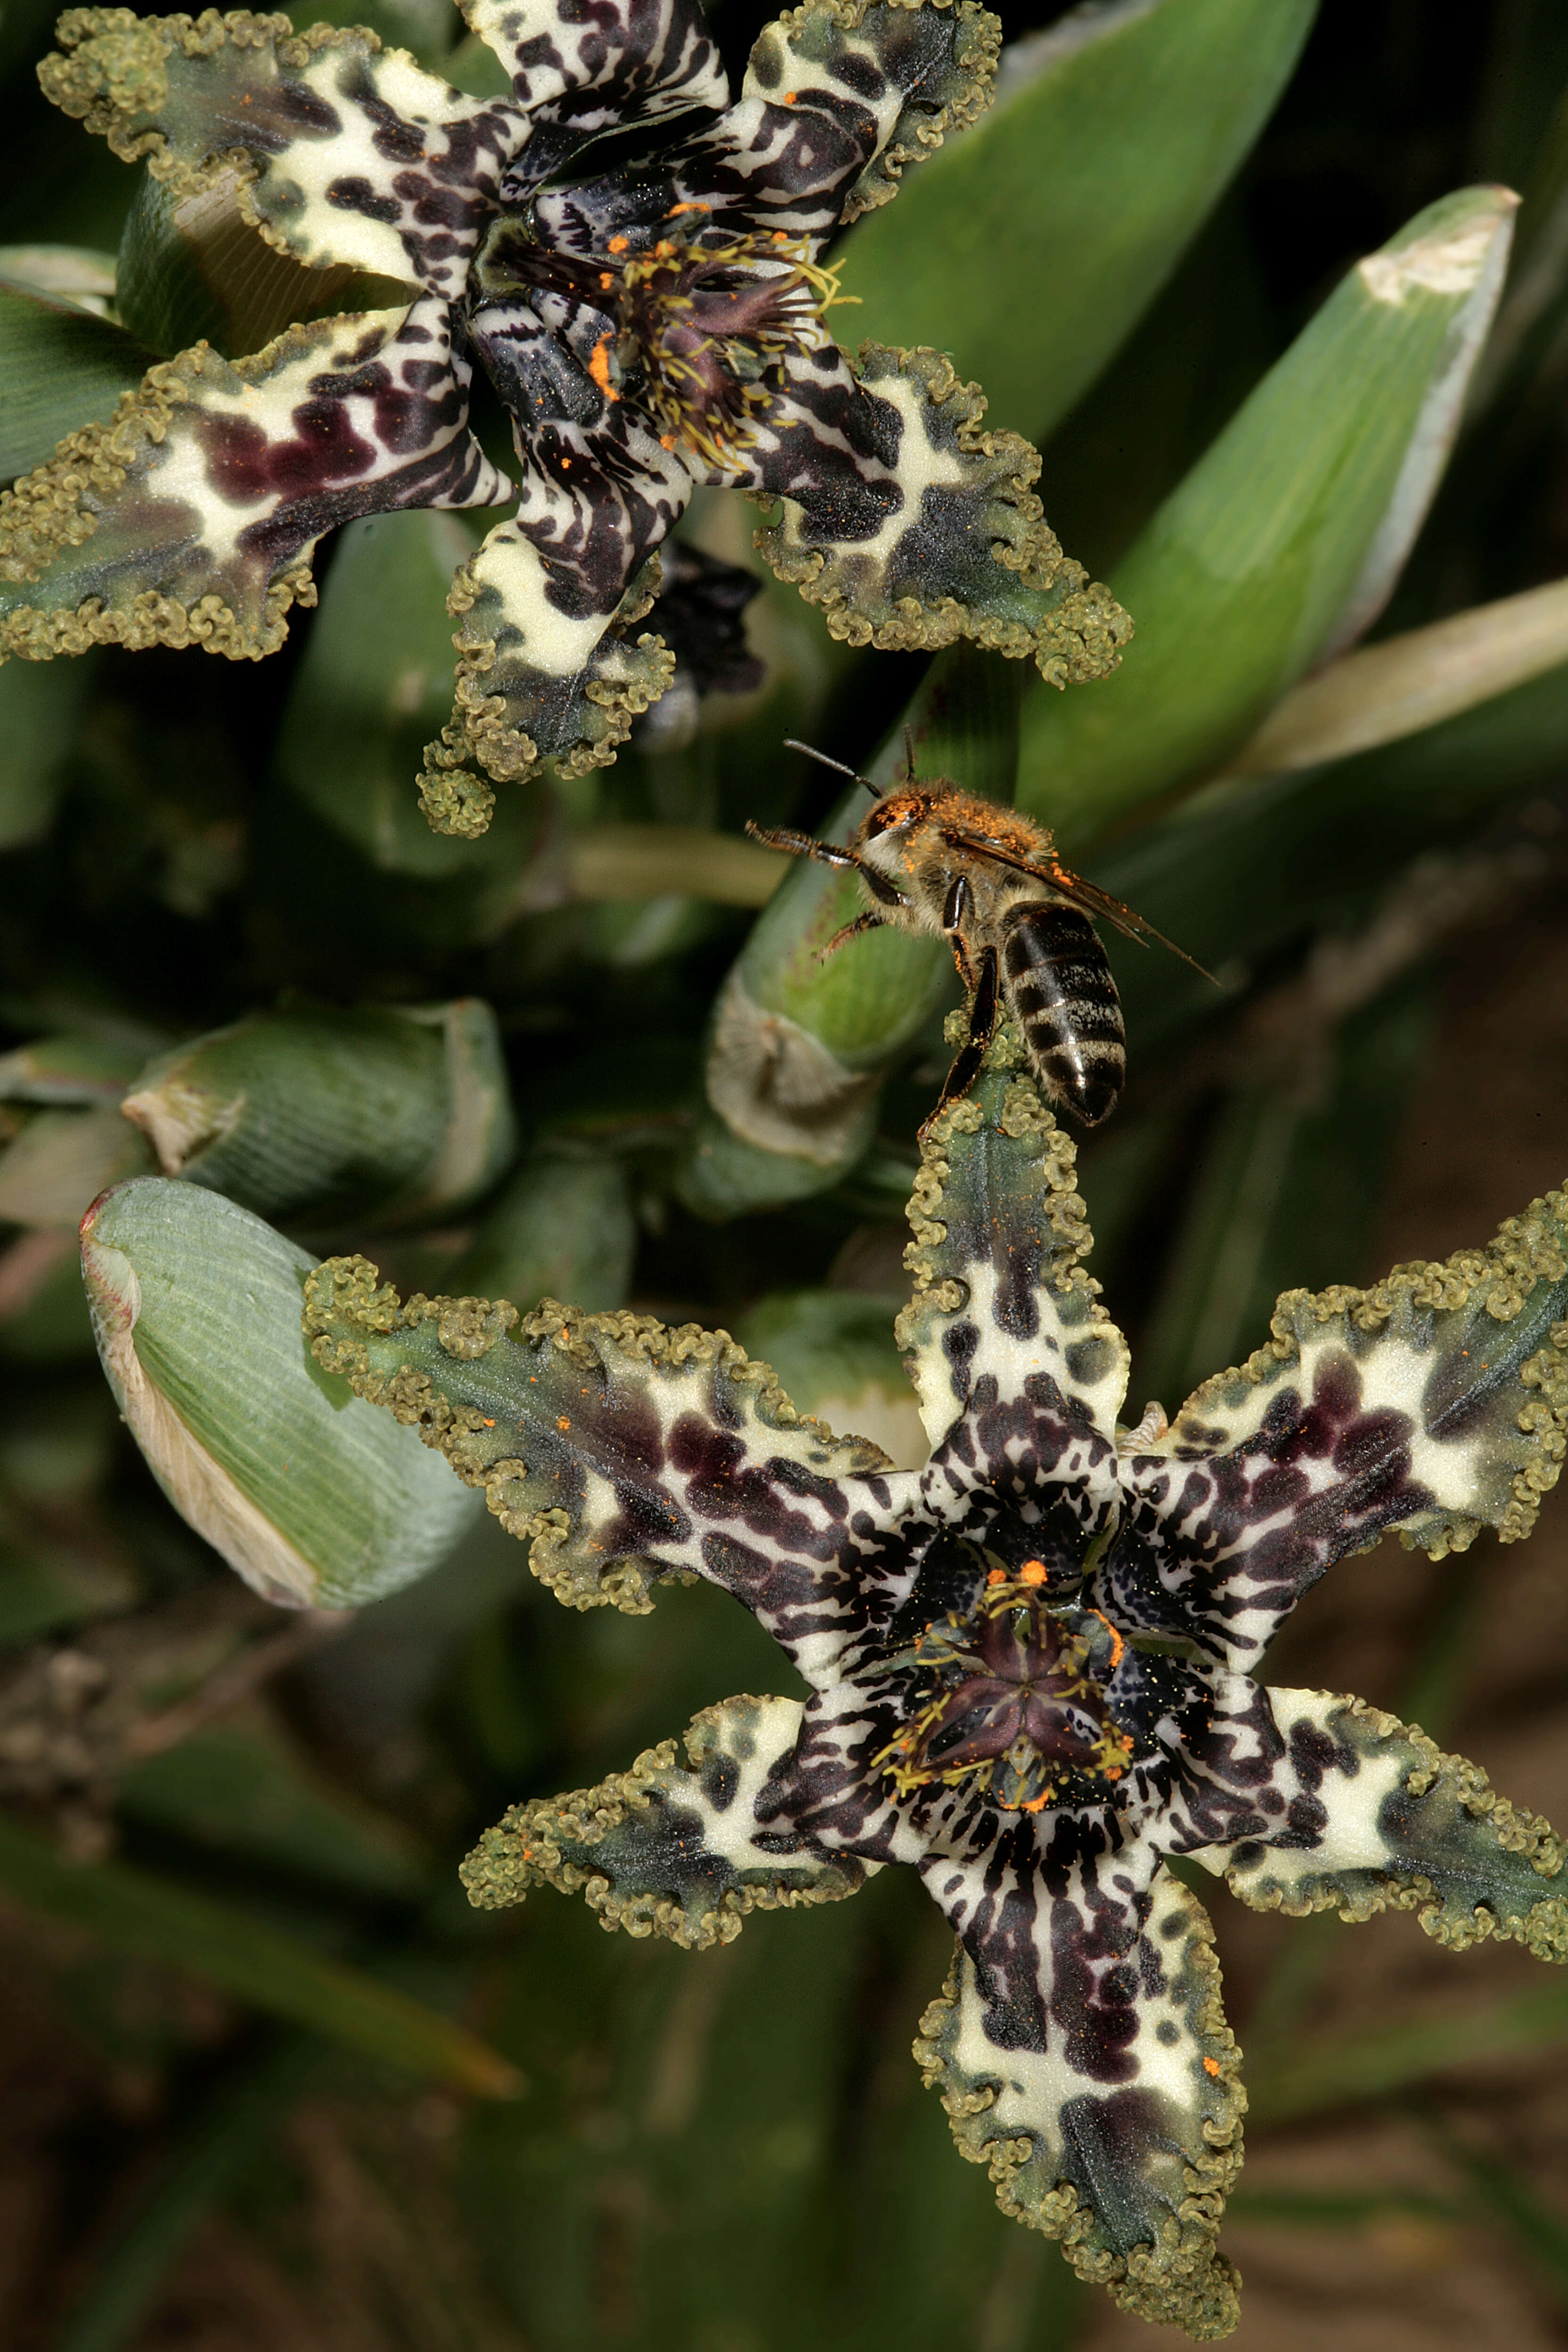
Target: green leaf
[
  {"x": 244, "y": 1793},
  {"x": 1354, "y": 2068},
  {"x": 232, "y": 1949},
  {"x": 833, "y": 1353},
  {"x": 60, "y": 368},
  {"x": 62, "y": 1159},
  {"x": 561, "y": 1228},
  {"x": 1283, "y": 543},
  {"x": 43, "y": 708},
  {"x": 312, "y": 1497},
  {"x": 1030, "y": 247}
]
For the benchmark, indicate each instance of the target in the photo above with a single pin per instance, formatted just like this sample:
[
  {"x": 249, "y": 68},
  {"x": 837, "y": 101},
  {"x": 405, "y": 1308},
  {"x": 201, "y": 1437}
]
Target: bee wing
[{"x": 1086, "y": 895}]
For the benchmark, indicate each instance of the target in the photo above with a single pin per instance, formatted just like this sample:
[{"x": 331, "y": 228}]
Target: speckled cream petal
[
  {"x": 353, "y": 154},
  {"x": 1081, "y": 2052},
  {"x": 190, "y": 517},
  {"x": 944, "y": 539},
  {"x": 616, "y": 62},
  {"x": 1019, "y": 1369},
  {"x": 1379, "y": 1819},
  {"x": 1435, "y": 1403},
  {"x": 670, "y": 1852},
  {"x": 628, "y": 1452}
]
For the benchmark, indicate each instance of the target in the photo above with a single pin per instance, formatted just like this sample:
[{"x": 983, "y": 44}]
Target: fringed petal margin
[
  {"x": 190, "y": 517},
  {"x": 1020, "y": 1370},
  {"x": 629, "y": 1452},
  {"x": 1128, "y": 2155},
  {"x": 352, "y": 154},
  {"x": 1435, "y": 1404},
  {"x": 1384, "y": 1821},
  {"x": 948, "y": 538},
  {"x": 660, "y": 1851}
]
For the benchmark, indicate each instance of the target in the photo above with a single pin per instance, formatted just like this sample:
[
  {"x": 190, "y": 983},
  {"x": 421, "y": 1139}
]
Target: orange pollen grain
[
  {"x": 997, "y": 1575},
  {"x": 790, "y": 96},
  {"x": 780, "y": 236},
  {"x": 667, "y": 440},
  {"x": 618, "y": 244},
  {"x": 607, "y": 280},
  {"x": 1116, "y": 1638},
  {"x": 488, "y": 1424},
  {"x": 1034, "y": 1572},
  {"x": 599, "y": 368},
  {"x": 692, "y": 206},
  {"x": 561, "y": 1422},
  {"x": 1211, "y": 2065}
]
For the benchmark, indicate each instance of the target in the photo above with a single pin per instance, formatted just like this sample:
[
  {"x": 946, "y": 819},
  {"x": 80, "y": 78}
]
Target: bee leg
[
  {"x": 860, "y": 923},
  {"x": 956, "y": 909},
  {"x": 971, "y": 1053},
  {"x": 801, "y": 844}
]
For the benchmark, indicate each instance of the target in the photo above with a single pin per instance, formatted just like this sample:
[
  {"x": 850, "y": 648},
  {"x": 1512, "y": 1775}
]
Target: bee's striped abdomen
[{"x": 1064, "y": 999}]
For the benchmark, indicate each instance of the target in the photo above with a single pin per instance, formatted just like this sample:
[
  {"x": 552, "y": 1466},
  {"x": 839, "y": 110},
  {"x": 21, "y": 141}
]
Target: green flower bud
[
  {"x": 316, "y": 1499},
  {"x": 319, "y": 1118}
]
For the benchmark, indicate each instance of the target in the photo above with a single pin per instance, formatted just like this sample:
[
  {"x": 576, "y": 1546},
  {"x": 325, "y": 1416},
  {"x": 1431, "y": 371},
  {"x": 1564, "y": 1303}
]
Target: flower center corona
[
  {"x": 1010, "y": 1697},
  {"x": 692, "y": 333}
]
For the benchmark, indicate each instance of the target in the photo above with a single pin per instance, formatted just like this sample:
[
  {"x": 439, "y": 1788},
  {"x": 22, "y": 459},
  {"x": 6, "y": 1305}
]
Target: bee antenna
[
  {"x": 822, "y": 759},
  {"x": 909, "y": 755}
]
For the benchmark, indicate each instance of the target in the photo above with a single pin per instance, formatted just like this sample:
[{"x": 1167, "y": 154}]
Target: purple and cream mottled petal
[
  {"x": 629, "y": 1452},
  {"x": 837, "y": 99},
  {"x": 1379, "y": 1819},
  {"x": 1081, "y": 2052},
  {"x": 598, "y": 63},
  {"x": 1434, "y": 1405},
  {"x": 1019, "y": 1371},
  {"x": 352, "y": 154},
  {"x": 190, "y": 517},
  {"x": 665, "y": 1850}
]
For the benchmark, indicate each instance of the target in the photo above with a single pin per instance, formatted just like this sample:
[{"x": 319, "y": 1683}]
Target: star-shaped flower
[
  {"x": 1031, "y": 1662},
  {"x": 650, "y": 329}
]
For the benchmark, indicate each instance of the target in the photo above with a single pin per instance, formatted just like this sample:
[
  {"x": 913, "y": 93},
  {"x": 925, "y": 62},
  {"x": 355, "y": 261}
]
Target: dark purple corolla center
[{"x": 1011, "y": 1698}]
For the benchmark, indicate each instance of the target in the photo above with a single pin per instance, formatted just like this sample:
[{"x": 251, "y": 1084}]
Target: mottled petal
[
  {"x": 550, "y": 663},
  {"x": 1019, "y": 1369},
  {"x": 1082, "y": 2054},
  {"x": 190, "y": 517},
  {"x": 1435, "y": 1404},
  {"x": 944, "y": 538},
  {"x": 353, "y": 155},
  {"x": 665, "y": 1852},
  {"x": 1379, "y": 1818},
  {"x": 591, "y": 67},
  {"x": 838, "y": 96},
  {"x": 835, "y": 1792},
  {"x": 629, "y": 1452}
]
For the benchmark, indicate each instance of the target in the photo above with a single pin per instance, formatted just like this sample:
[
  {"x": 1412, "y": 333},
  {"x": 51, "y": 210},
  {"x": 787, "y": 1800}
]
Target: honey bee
[{"x": 936, "y": 859}]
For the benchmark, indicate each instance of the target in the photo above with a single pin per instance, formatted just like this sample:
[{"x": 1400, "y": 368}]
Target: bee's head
[{"x": 902, "y": 806}]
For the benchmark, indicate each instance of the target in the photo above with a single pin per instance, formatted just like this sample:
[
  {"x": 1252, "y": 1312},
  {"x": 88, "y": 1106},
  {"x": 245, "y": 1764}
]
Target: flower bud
[
  {"x": 316, "y": 1499},
  {"x": 319, "y": 1117}
]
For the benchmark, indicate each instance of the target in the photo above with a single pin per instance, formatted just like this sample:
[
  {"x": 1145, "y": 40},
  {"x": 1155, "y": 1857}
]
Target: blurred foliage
[{"x": 212, "y": 1831}]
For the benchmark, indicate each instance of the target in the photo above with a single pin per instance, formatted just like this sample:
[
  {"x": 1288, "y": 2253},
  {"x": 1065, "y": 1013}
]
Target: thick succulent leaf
[
  {"x": 1380, "y": 1818},
  {"x": 189, "y": 518},
  {"x": 1020, "y": 1370},
  {"x": 584, "y": 69},
  {"x": 1113, "y": 133},
  {"x": 628, "y": 1452},
  {"x": 355, "y": 156},
  {"x": 929, "y": 529},
  {"x": 547, "y": 668},
  {"x": 1082, "y": 2054},
  {"x": 668, "y": 1851},
  {"x": 1435, "y": 1403},
  {"x": 60, "y": 367},
  {"x": 839, "y": 97},
  {"x": 1284, "y": 541}
]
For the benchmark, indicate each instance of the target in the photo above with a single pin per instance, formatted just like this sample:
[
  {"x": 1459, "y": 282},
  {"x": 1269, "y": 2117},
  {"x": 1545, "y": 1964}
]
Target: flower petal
[
  {"x": 1379, "y": 1819},
  {"x": 588, "y": 68},
  {"x": 667, "y": 1851},
  {"x": 912, "y": 526},
  {"x": 1081, "y": 2052},
  {"x": 837, "y": 98},
  {"x": 355, "y": 156},
  {"x": 629, "y": 1452},
  {"x": 189, "y": 518},
  {"x": 1020, "y": 1370},
  {"x": 1435, "y": 1404}
]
